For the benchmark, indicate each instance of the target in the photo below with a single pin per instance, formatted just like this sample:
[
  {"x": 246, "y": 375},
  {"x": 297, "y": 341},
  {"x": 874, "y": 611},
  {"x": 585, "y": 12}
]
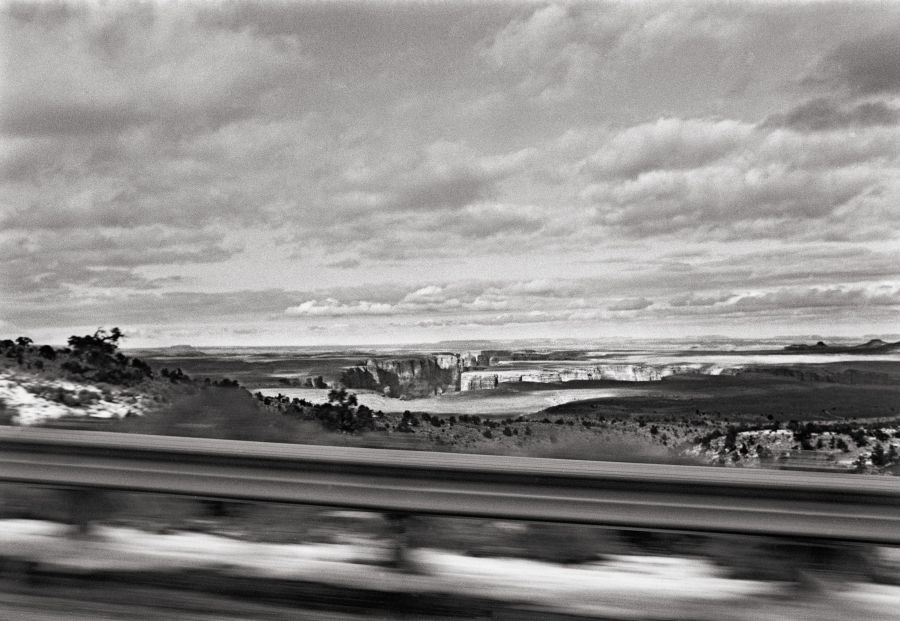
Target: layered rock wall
[
  {"x": 486, "y": 380},
  {"x": 484, "y": 358},
  {"x": 420, "y": 376}
]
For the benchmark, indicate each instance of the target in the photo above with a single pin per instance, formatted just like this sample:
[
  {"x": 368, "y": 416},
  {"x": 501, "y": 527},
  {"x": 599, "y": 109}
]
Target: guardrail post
[
  {"x": 83, "y": 506},
  {"x": 399, "y": 527}
]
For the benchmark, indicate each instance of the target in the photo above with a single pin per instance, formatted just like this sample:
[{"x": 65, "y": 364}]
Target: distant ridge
[
  {"x": 172, "y": 350},
  {"x": 871, "y": 346},
  {"x": 180, "y": 348}
]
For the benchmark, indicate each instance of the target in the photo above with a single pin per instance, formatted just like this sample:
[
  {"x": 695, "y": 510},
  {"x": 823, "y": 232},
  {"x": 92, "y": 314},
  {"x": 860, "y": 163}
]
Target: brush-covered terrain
[{"x": 769, "y": 418}]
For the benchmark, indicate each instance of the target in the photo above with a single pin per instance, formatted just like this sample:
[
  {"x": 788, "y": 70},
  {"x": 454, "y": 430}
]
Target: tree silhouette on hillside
[{"x": 95, "y": 356}]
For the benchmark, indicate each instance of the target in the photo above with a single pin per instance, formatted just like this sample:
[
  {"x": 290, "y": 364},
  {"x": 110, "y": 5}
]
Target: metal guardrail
[{"x": 685, "y": 498}]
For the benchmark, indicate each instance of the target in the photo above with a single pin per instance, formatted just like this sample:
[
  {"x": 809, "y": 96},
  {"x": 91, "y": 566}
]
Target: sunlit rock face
[
  {"x": 480, "y": 380},
  {"x": 483, "y": 358},
  {"x": 419, "y": 376},
  {"x": 486, "y": 380},
  {"x": 447, "y": 361}
]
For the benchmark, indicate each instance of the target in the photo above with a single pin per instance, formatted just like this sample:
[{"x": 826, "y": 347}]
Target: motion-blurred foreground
[{"x": 88, "y": 554}]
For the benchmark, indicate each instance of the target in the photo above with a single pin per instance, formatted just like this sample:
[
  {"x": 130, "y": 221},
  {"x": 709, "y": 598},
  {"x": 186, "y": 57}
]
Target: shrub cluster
[
  {"x": 92, "y": 357},
  {"x": 342, "y": 413},
  {"x": 95, "y": 357},
  {"x": 18, "y": 349}
]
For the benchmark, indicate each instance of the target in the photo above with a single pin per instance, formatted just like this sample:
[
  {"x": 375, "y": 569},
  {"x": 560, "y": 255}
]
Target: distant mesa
[
  {"x": 429, "y": 375},
  {"x": 173, "y": 350},
  {"x": 422, "y": 375},
  {"x": 872, "y": 346},
  {"x": 413, "y": 377},
  {"x": 806, "y": 347}
]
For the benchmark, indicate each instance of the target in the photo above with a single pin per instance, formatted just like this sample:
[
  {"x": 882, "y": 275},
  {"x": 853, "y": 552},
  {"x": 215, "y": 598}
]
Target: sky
[{"x": 267, "y": 173}]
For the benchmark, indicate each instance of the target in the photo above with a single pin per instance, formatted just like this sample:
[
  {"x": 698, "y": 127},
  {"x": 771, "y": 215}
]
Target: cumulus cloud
[
  {"x": 429, "y": 293},
  {"x": 332, "y": 308},
  {"x": 817, "y": 297},
  {"x": 564, "y": 54},
  {"x": 345, "y": 264},
  {"x": 825, "y": 114},
  {"x": 631, "y": 304},
  {"x": 159, "y": 308},
  {"x": 757, "y": 183},
  {"x": 444, "y": 175},
  {"x": 132, "y": 65},
  {"x": 118, "y": 247},
  {"x": 492, "y": 220},
  {"x": 668, "y": 143},
  {"x": 691, "y": 299},
  {"x": 103, "y": 258},
  {"x": 867, "y": 65}
]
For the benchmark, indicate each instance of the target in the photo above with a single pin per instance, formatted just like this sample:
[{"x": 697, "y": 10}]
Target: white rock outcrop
[{"x": 620, "y": 372}]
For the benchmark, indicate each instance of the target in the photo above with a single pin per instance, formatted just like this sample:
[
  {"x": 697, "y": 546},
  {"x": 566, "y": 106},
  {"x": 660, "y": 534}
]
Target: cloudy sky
[{"x": 324, "y": 172}]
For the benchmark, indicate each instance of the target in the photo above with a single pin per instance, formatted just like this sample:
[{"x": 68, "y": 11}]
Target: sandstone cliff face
[
  {"x": 447, "y": 361},
  {"x": 420, "y": 376},
  {"x": 486, "y": 380},
  {"x": 428, "y": 375},
  {"x": 483, "y": 358}
]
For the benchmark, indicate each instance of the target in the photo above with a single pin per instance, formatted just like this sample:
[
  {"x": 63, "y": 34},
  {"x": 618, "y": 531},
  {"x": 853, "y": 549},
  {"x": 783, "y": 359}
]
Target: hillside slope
[{"x": 89, "y": 379}]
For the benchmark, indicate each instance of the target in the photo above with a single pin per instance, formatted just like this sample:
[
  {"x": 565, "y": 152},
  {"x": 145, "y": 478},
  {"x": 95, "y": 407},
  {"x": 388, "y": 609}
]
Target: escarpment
[
  {"x": 428, "y": 375},
  {"x": 419, "y": 376},
  {"x": 488, "y": 379}
]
